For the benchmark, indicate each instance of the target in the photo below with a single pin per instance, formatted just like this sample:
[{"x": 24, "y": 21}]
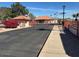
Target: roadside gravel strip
[{"x": 26, "y": 42}]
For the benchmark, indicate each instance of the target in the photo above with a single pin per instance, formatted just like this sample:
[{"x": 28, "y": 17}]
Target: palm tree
[
  {"x": 31, "y": 16},
  {"x": 18, "y": 9},
  {"x": 76, "y": 16}
]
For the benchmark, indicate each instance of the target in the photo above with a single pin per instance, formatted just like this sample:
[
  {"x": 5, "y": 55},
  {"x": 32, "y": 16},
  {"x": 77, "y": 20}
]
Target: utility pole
[
  {"x": 55, "y": 14},
  {"x": 63, "y": 13}
]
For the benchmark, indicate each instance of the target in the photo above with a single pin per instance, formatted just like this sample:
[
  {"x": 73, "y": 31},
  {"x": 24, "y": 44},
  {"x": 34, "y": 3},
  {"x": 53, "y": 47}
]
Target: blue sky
[{"x": 48, "y": 8}]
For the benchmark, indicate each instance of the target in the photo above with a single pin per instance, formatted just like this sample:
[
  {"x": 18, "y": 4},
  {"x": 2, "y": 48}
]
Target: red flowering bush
[
  {"x": 33, "y": 22},
  {"x": 11, "y": 23}
]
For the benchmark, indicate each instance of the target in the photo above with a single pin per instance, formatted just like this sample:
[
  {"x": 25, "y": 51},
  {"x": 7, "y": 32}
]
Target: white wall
[{"x": 23, "y": 25}]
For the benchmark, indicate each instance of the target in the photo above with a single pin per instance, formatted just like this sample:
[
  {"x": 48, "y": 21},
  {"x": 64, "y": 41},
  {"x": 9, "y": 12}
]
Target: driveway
[{"x": 26, "y": 42}]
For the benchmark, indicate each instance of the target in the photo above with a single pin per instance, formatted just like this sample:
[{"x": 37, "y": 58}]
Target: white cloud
[
  {"x": 69, "y": 13},
  {"x": 41, "y": 9},
  {"x": 52, "y": 10}
]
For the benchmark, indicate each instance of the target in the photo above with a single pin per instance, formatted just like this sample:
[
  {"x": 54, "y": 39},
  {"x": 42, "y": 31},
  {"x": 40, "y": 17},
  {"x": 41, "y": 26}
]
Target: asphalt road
[{"x": 26, "y": 42}]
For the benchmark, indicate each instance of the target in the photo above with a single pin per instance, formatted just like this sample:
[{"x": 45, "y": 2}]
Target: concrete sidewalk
[
  {"x": 10, "y": 29},
  {"x": 53, "y": 46}
]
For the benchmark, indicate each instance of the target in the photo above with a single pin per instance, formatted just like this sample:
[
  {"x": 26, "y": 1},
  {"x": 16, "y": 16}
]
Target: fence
[{"x": 73, "y": 26}]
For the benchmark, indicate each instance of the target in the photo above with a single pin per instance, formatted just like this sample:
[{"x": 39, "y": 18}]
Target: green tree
[
  {"x": 5, "y": 13},
  {"x": 8, "y": 13},
  {"x": 18, "y": 9}
]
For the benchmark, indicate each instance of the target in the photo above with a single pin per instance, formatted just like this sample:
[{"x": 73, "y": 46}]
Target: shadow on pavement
[
  {"x": 70, "y": 43},
  {"x": 42, "y": 29}
]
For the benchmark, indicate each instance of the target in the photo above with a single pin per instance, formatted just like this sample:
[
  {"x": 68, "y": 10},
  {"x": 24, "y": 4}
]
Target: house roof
[
  {"x": 43, "y": 18},
  {"x": 22, "y": 18}
]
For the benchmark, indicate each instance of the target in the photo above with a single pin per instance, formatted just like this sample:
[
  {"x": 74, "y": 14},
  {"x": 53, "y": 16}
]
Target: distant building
[
  {"x": 23, "y": 20},
  {"x": 44, "y": 19}
]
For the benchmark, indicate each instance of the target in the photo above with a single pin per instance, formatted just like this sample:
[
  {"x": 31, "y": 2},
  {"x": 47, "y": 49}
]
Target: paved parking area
[{"x": 25, "y": 42}]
